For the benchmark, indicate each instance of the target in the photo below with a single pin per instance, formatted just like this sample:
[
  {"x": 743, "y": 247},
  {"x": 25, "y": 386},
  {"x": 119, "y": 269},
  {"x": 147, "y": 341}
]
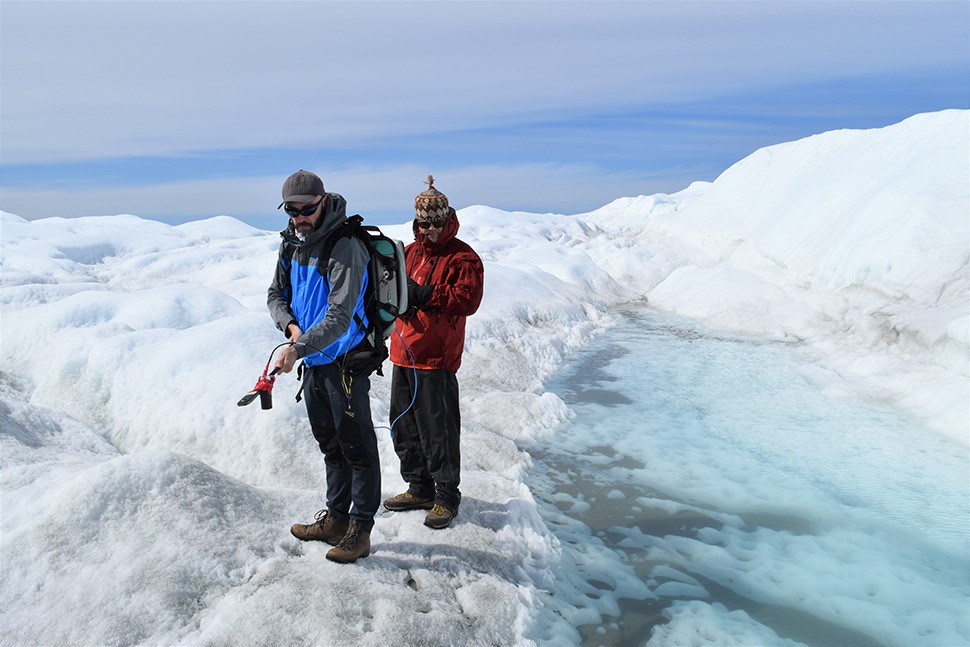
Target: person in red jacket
[{"x": 445, "y": 278}]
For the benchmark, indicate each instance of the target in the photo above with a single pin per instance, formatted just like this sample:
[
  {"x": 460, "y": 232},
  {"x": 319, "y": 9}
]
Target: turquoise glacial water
[{"x": 706, "y": 488}]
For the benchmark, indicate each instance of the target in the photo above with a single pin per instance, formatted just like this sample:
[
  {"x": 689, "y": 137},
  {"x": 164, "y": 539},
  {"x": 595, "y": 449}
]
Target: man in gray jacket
[{"x": 318, "y": 302}]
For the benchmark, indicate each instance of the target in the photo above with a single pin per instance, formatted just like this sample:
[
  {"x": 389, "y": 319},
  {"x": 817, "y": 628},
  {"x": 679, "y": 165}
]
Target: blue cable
[{"x": 414, "y": 368}]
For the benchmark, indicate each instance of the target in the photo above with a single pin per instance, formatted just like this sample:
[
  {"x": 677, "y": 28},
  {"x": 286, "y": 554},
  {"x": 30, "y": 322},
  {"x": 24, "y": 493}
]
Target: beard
[{"x": 304, "y": 228}]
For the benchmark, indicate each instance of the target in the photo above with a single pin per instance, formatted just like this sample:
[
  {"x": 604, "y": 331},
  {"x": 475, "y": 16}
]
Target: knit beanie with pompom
[{"x": 431, "y": 205}]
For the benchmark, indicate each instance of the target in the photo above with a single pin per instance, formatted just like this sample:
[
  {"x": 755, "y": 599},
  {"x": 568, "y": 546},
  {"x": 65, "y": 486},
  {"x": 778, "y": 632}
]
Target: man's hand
[
  {"x": 288, "y": 357},
  {"x": 418, "y": 295}
]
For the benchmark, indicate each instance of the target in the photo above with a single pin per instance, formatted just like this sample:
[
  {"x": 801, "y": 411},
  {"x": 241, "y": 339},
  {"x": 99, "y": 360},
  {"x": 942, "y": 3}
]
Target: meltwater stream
[{"x": 706, "y": 493}]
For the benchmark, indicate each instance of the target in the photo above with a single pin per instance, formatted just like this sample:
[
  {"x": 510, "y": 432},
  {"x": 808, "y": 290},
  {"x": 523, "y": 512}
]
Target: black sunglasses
[
  {"x": 308, "y": 210},
  {"x": 424, "y": 224}
]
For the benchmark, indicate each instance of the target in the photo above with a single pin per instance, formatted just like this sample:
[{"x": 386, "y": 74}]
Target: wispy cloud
[{"x": 120, "y": 103}]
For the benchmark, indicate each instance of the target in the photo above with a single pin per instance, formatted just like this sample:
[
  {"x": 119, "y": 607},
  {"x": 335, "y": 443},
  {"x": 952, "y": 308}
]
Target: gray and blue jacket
[{"x": 324, "y": 297}]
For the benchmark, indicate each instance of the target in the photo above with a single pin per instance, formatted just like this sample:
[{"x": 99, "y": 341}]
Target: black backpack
[{"x": 386, "y": 298}]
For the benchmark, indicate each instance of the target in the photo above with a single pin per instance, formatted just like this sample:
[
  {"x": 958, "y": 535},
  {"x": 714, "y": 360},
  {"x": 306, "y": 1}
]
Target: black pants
[
  {"x": 426, "y": 437},
  {"x": 348, "y": 442}
]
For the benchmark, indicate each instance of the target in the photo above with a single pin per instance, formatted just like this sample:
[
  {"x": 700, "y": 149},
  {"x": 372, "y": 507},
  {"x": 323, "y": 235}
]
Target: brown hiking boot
[
  {"x": 439, "y": 517},
  {"x": 355, "y": 544},
  {"x": 407, "y": 501},
  {"x": 326, "y": 528}
]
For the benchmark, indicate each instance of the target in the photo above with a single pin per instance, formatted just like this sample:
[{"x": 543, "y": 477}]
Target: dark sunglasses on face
[
  {"x": 308, "y": 210},
  {"x": 424, "y": 224}
]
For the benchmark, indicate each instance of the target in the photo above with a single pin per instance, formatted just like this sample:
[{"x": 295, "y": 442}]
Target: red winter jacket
[{"x": 436, "y": 334}]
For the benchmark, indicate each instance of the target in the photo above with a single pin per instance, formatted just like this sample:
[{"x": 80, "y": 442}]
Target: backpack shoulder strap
[{"x": 351, "y": 227}]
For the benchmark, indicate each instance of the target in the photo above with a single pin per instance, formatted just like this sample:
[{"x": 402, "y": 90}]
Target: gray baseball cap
[{"x": 302, "y": 186}]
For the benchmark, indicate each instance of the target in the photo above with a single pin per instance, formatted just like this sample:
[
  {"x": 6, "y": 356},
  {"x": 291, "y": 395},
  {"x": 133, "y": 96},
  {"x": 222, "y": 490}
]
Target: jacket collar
[{"x": 448, "y": 233}]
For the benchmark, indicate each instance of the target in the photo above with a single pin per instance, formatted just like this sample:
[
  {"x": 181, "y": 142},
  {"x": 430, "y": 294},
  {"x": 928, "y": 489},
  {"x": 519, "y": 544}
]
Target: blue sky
[{"x": 180, "y": 110}]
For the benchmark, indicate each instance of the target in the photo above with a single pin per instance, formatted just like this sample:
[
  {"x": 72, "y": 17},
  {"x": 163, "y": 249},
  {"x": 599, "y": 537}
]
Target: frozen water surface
[{"x": 706, "y": 491}]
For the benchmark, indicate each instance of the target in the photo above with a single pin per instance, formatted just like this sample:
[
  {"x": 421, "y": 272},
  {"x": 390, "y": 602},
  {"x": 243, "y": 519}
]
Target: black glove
[{"x": 418, "y": 295}]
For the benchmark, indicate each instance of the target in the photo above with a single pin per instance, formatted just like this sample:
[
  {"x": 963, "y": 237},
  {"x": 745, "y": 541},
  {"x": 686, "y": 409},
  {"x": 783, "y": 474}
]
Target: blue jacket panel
[{"x": 309, "y": 303}]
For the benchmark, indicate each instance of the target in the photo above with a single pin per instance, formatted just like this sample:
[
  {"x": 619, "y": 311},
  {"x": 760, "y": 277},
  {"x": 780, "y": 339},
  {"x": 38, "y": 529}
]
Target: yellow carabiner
[{"x": 348, "y": 382}]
